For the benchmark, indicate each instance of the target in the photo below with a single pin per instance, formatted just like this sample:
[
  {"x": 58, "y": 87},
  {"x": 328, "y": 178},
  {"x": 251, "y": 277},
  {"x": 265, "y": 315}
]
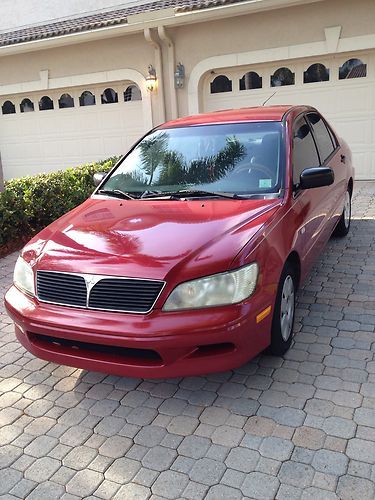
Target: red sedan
[{"x": 187, "y": 257}]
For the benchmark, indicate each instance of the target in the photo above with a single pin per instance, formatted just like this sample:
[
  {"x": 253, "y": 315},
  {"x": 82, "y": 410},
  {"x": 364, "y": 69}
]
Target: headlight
[
  {"x": 215, "y": 290},
  {"x": 24, "y": 277}
]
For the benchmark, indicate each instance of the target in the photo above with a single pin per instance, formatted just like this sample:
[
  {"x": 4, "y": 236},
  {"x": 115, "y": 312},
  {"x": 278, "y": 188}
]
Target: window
[
  {"x": 109, "y": 96},
  {"x": 66, "y": 101},
  {"x": 45, "y": 103},
  {"x": 305, "y": 154},
  {"x": 221, "y": 84},
  {"x": 26, "y": 106},
  {"x": 281, "y": 77},
  {"x": 322, "y": 136},
  {"x": 87, "y": 98},
  {"x": 353, "y": 68},
  {"x": 316, "y": 73},
  {"x": 132, "y": 93},
  {"x": 8, "y": 108},
  {"x": 251, "y": 80}
]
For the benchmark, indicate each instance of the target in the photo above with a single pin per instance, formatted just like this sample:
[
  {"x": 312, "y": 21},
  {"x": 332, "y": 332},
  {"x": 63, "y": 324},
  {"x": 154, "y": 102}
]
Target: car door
[
  {"x": 330, "y": 156},
  {"x": 311, "y": 206}
]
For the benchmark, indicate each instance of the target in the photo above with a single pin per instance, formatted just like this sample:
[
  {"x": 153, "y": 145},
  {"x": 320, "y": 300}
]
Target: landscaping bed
[{"x": 30, "y": 203}]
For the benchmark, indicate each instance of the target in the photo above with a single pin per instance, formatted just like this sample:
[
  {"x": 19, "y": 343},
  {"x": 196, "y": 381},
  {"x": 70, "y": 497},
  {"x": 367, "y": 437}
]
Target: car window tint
[
  {"x": 305, "y": 154},
  {"x": 322, "y": 136}
]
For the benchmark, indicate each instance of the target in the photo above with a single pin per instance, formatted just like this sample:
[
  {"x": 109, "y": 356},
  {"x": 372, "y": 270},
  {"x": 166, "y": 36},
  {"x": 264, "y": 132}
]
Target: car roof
[{"x": 258, "y": 114}]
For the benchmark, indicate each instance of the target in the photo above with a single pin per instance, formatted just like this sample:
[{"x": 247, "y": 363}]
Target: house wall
[
  {"x": 195, "y": 42},
  {"x": 301, "y": 26}
]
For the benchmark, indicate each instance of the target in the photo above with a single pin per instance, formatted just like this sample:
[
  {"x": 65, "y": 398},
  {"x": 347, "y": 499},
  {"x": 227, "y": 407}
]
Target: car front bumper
[{"x": 156, "y": 345}]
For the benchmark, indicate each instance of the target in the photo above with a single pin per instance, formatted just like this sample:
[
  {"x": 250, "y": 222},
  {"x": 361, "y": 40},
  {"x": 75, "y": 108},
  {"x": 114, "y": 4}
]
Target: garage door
[
  {"x": 341, "y": 87},
  {"x": 56, "y": 129}
]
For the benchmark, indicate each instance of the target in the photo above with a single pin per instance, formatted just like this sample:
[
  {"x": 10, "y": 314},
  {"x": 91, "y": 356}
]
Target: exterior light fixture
[
  {"x": 179, "y": 76},
  {"x": 151, "y": 79}
]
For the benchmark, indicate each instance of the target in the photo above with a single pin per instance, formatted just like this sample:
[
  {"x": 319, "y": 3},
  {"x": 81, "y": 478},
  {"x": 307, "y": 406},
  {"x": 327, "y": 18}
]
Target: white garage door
[
  {"x": 341, "y": 87},
  {"x": 85, "y": 125}
]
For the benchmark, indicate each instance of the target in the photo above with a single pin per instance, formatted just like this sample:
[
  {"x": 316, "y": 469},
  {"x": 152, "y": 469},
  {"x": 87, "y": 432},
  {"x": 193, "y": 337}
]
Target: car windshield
[{"x": 240, "y": 158}]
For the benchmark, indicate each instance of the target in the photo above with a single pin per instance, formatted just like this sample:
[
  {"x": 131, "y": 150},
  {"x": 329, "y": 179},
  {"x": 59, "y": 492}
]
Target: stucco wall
[{"x": 196, "y": 42}]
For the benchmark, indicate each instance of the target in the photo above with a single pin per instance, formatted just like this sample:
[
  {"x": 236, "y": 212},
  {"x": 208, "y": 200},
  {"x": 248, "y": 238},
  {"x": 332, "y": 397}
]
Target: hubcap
[
  {"x": 287, "y": 308},
  {"x": 347, "y": 209}
]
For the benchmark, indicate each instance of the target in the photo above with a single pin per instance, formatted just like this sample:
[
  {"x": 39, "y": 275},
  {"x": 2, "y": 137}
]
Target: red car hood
[{"x": 149, "y": 239}]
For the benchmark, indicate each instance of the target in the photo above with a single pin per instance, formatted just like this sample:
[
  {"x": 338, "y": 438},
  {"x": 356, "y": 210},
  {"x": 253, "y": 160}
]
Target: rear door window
[{"x": 322, "y": 136}]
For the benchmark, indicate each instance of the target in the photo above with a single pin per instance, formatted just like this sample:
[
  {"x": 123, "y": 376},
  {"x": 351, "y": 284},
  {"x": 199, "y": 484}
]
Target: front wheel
[
  {"x": 343, "y": 225},
  {"x": 284, "y": 311}
]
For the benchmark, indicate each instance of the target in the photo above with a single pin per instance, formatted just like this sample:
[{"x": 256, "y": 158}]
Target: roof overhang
[{"x": 152, "y": 19}]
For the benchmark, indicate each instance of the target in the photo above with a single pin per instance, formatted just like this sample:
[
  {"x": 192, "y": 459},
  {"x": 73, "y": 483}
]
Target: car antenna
[{"x": 268, "y": 98}]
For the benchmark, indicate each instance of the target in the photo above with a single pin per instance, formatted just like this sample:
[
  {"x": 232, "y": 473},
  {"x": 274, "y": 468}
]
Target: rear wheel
[
  {"x": 343, "y": 225},
  {"x": 283, "y": 314}
]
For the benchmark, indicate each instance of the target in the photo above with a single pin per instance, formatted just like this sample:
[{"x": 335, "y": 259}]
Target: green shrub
[{"x": 29, "y": 204}]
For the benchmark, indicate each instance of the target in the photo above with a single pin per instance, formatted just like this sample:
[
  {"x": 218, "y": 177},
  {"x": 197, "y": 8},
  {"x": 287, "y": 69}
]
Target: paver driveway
[{"x": 298, "y": 427}]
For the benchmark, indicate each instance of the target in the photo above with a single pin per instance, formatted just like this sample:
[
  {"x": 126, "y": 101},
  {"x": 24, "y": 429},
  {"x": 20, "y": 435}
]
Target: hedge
[{"x": 30, "y": 203}]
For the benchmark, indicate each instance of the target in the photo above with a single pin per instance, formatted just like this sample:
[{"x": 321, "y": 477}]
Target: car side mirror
[
  {"x": 98, "y": 177},
  {"x": 316, "y": 177}
]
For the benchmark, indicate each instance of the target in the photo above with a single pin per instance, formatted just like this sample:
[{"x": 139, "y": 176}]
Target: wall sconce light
[
  {"x": 151, "y": 79},
  {"x": 179, "y": 76}
]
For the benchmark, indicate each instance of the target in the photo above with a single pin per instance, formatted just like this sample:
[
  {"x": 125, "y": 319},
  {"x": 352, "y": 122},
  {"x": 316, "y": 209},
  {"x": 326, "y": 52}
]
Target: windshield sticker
[{"x": 265, "y": 183}]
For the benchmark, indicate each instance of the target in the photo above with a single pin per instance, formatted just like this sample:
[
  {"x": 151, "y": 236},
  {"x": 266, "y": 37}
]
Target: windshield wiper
[
  {"x": 185, "y": 193},
  {"x": 117, "y": 193}
]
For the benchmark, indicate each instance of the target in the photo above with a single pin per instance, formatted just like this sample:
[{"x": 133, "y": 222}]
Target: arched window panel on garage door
[
  {"x": 45, "y": 103},
  {"x": 8, "y": 108},
  {"x": 132, "y": 93},
  {"x": 26, "y": 105},
  {"x": 87, "y": 98},
  {"x": 221, "y": 84},
  {"x": 352, "y": 68},
  {"x": 282, "y": 77},
  {"x": 66, "y": 101},
  {"x": 250, "y": 80},
  {"x": 109, "y": 96},
  {"x": 316, "y": 73}
]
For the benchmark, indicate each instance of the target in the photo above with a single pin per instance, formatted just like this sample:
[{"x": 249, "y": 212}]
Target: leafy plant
[{"x": 30, "y": 203}]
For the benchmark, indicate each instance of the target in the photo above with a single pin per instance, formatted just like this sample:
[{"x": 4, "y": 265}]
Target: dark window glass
[
  {"x": 109, "y": 96},
  {"x": 132, "y": 93},
  {"x": 332, "y": 136},
  {"x": 238, "y": 158},
  {"x": 316, "y": 73},
  {"x": 305, "y": 154},
  {"x": 66, "y": 101},
  {"x": 221, "y": 84},
  {"x": 8, "y": 108},
  {"x": 322, "y": 136},
  {"x": 251, "y": 80},
  {"x": 281, "y": 77},
  {"x": 353, "y": 68},
  {"x": 87, "y": 98},
  {"x": 45, "y": 103},
  {"x": 26, "y": 106}
]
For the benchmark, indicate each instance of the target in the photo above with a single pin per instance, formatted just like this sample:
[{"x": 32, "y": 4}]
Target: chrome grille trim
[{"x": 90, "y": 281}]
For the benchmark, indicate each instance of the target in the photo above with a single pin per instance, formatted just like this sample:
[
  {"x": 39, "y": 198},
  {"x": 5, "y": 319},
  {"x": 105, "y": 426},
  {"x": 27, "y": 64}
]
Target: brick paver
[{"x": 302, "y": 426}]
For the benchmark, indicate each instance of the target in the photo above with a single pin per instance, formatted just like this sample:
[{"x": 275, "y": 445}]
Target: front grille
[
  {"x": 98, "y": 292},
  {"x": 124, "y": 294},
  {"x": 61, "y": 288}
]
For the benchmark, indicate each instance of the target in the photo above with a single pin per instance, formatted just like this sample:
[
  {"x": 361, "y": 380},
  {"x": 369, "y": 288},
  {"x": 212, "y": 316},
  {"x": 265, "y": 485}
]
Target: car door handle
[{"x": 343, "y": 158}]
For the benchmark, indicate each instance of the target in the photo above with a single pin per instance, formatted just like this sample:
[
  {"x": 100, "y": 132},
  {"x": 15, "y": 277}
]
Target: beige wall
[{"x": 194, "y": 43}]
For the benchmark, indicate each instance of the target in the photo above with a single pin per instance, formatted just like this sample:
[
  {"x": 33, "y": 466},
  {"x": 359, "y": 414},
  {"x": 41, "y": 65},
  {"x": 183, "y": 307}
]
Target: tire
[
  {"x": 343, "y": 225},
  {"x": 284, "y": 312}
]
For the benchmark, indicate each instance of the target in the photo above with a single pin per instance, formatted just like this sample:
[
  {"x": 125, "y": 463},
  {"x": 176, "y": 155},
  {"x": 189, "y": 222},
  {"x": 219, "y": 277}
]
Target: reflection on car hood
[{"x": 149, "y": 239}]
